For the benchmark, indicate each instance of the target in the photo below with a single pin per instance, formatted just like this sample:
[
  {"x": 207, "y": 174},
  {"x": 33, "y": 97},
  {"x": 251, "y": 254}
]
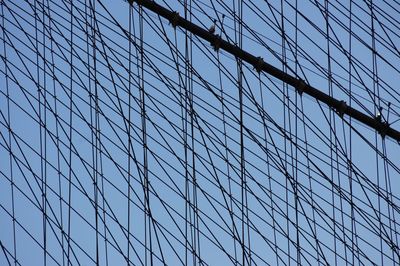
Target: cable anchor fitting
[
  {"x": 174, "y": 20},
  {"x": 383, "y": 128},
  {"x": 216, "y": 42},
  {"x": 301, "y": 85},
  {"x": 342, "y": 108},
  {"x": 259, "y": 64}
]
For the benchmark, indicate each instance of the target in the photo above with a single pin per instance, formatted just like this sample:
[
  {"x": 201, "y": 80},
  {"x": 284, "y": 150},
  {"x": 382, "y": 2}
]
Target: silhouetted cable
[{"x": 241, "y": 165}]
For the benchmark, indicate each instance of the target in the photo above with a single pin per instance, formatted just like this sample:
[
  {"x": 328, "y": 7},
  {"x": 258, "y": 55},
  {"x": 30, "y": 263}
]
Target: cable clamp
[
  {"x": 342, "y": 108},
  {"x": 383, "y": 128},
  {"x": 301, "y": 85},
  {"x": 216, "y": 42},
  {"x": 259, "y": 64},
  {"x": 174, "y": 19}
]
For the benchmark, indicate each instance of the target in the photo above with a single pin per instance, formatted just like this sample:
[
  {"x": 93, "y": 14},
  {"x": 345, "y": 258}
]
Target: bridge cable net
[{"x": 129, "y": 139}]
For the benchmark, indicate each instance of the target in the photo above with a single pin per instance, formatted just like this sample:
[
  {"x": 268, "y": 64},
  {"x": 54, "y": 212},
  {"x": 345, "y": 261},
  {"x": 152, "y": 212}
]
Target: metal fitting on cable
[
  {"x": 383, "y": 129},
  {"x": 301, "y": 85},
  {"x": 259, "y": 64},
  {"x": 216, "y": 42},
  {"x": 174, "y": 19},
  {"x": 342, "y": 108}
]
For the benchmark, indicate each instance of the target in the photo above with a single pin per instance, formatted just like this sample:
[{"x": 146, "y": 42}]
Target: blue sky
[{"x": 88, "y": 151}]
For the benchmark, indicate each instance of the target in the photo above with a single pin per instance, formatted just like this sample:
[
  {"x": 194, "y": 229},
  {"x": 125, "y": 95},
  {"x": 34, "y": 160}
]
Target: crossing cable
[
  {"x": 129, "y": 129},
  {"x": 258, "y": 38},
  {"x": 339, "y": 106},
  {"x": 99, "y": 132},
  {"x": 14, "y": 255},
  {"x": 350, "y": 180}
]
